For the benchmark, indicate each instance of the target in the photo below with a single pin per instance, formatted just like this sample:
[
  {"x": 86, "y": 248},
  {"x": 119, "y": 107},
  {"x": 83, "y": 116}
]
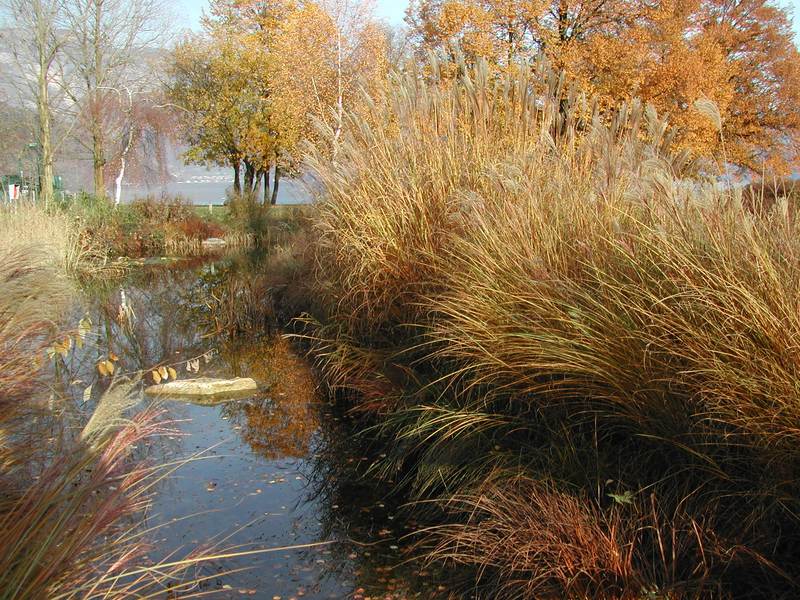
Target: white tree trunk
[
  {"x": 340, "y": 93},
  {"x": 125, "y": 150}
]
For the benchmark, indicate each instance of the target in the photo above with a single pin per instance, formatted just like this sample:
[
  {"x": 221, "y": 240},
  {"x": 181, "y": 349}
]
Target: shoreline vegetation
[
  {"x": 550, "y": 279},
  {"x": 577, "y": 352},
  {"x": 573, "y": 349},
  {"x": 69, "y": 507}
]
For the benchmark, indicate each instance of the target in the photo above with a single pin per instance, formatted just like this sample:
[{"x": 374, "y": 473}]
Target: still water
[
  {"x": 199, "y": 185},
  {"x": 275, "y": 472}
]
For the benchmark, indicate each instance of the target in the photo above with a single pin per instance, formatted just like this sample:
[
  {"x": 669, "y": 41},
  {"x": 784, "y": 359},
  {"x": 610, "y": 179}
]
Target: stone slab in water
[{"x": 205, "y": 387}]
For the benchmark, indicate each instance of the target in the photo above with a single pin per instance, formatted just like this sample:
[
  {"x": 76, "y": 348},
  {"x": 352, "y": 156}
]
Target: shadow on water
[{"x": 278, "y": 469}]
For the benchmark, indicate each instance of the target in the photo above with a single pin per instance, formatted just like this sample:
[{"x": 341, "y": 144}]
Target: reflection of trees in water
[
  {"x": 283, "y": 421},
  {"x": 160, "y": 327}
]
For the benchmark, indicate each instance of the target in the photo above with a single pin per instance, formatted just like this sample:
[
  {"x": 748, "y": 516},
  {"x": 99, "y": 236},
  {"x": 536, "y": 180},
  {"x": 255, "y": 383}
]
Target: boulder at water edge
[{"x": 205, "y": 387}]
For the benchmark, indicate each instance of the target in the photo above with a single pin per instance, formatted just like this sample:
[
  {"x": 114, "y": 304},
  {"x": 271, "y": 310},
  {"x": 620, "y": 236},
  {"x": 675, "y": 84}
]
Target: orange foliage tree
[
  {"x": 670, "y": 53},
  {"x": 265, "y": 73}
]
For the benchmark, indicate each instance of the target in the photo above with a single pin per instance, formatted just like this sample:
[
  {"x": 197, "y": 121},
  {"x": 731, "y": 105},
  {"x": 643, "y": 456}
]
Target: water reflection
[
  {"x": 278, "y": 469},
  {"x": 282, "y": 423}
]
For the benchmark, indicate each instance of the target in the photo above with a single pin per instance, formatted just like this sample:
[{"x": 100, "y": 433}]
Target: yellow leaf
[
  {"x": 102, "y": 369},
  {"x": 110, "y": 367},
  {"x": 172, "y": 373},
  {"x": 112, "y": 356},
  {"x": 162, "y": 371},
  {"x": 156, "y": 376}
]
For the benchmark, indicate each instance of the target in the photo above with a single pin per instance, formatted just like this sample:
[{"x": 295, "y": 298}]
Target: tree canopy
[
  {"x": 671, "y": 53},
  {"x": 264, "y": 75}
]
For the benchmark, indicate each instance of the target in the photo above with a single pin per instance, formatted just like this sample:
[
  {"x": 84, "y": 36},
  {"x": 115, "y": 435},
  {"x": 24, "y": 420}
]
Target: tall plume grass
[
  {"x": 54, "y": 234},
  {"x": 554, "y": 295}
]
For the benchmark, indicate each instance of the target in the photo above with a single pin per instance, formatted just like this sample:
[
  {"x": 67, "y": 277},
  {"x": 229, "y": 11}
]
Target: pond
[{"x": 273, "y": 476}]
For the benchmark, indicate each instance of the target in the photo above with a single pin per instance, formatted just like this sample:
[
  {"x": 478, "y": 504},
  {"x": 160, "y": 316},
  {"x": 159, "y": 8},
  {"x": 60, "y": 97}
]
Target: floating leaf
[
  {"x": 163, "y": 372},
  {"x": 172, "y": 373},
  {"x": 102, "y": 369},
  {"x": 113, "y": 357},
  {"x": 63, "y": 347},
  {"x": 84, "y": 327},
  {"x": 110, "y": 367},
  {"x": 156, "y": 377},
  {"x": 87, "y": 394},
  {"x": 626, "y": 498}
]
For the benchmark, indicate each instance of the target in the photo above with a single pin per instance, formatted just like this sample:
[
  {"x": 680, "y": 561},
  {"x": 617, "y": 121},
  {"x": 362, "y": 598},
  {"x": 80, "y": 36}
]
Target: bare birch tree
[{"x": 34, "y": 37}]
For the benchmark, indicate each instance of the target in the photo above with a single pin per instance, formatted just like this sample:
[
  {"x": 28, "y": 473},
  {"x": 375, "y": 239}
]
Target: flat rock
[
  {"x": 214, "y": 242},
  {"x": 205, "y": 388}
]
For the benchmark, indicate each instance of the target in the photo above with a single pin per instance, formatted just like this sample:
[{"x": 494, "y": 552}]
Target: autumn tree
[
  {"x": 263, "y": 77},
  {"x": 218, "y": 86},
  {"x": 144, "y": 120},
  {"x": 763, "y": 115},
  {"x": 115, "y": 44},
  {"x": 325, "y": 56},
  {"x": 670, "y": 53}
]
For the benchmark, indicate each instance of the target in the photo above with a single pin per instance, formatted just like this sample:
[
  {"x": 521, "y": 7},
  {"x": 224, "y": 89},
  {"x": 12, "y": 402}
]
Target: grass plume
[{"x": 551, "y": 293}]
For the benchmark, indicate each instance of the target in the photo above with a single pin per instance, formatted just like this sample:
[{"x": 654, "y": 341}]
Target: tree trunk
[
  {"x": 249, "y": 173},
  {"x": 45, "y": 142},
  {"x": 257, "y": 185},
  {"x": 274, "y": 199},
  {"x": 266, "y": 184},
  {"x": 98, "y": 142},
  {"x": 237, "y": 182},
  {"x": 126, "y": 148},
  {"x": 98, "y": 163},
  {"x": 121, "y": 175}
]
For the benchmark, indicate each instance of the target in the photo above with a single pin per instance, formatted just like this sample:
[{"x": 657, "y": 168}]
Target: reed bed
[
  {"x": 181, "y": 245},
  {"x": 580, "y": 348},
  {"x": 54, "y": 235}
]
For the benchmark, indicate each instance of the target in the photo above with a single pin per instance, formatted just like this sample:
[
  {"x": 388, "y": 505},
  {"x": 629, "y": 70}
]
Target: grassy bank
[
  {"x": 584, "y": 355},
  {"x": 170, "y": 226}
]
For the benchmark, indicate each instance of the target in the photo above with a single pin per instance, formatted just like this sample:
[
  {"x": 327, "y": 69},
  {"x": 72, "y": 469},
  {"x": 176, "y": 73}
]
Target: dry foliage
[
  {"x": 563, "y": 301},
  {"x": 741, "y": 55}
]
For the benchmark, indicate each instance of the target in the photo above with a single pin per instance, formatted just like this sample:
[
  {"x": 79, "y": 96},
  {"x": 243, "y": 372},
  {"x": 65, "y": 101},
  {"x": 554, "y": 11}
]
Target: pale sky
[{"x": 392, "y": 11}]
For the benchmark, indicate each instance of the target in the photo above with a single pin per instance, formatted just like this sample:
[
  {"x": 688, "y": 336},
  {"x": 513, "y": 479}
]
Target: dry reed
[{"x": 630, "y": 327}]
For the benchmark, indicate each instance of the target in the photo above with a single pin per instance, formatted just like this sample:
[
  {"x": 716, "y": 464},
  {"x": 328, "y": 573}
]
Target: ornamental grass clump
[{"x": 524, "y": 289}]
